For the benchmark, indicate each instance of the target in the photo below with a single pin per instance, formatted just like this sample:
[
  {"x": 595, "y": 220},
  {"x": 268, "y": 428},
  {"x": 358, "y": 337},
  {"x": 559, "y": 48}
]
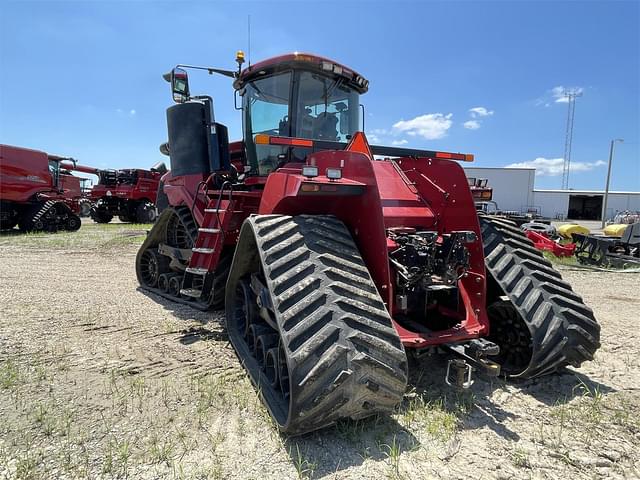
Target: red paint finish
[
  {"x": 425, "y": 194},
  {"x": 25, "y": 177},
  {"x": 544, "y": 243},
  {"x": 144, "y": 189},
  {"x": 23, "y": 173},
  {"x": 394, "y": 194}
]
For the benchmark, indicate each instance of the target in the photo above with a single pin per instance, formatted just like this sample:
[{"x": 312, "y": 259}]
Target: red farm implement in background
[
  {"x": 544, "y": 243},
  {"x": 129, "y": 194},
  {"x": 35, "y": 193},
  {"x": 334, "y": 267}
]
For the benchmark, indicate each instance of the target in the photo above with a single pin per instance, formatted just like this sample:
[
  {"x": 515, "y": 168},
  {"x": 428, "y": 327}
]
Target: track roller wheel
[
  {"x": 163, "y": 282},
  {"x": 245, "y": 308},
  {"x": 539, "y": 322},
  {"x": 175, "y": 283},
  {"x": 308, "y": 324},
  {"x": 151, "y": 265}
]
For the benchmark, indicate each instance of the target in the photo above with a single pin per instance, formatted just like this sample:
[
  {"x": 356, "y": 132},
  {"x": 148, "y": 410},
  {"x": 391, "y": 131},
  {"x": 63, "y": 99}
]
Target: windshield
[
  {"x": 54, "y": 170},
  {"x": 324, "y": 109},
  {"x": 266, "y": 111}
]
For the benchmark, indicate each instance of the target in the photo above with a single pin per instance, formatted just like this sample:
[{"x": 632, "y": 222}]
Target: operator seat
[{"x": 325, "y": 126}]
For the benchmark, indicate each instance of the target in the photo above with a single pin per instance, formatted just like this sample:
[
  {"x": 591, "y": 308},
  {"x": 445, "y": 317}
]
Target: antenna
[
  {"x": 249, "y": 37},
  {"x": 571, "y": 95}
]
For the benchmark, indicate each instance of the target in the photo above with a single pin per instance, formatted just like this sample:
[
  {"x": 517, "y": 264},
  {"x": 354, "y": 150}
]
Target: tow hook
[
  {"x": 471, "y": 356},
  {"x": 458, "y": 373}
]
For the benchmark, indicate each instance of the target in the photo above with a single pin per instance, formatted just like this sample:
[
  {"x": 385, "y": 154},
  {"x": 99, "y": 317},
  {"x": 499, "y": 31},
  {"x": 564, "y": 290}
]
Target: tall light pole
[
  {"x": 606, "y": 188},
  {"x": 571, "y": 96}
]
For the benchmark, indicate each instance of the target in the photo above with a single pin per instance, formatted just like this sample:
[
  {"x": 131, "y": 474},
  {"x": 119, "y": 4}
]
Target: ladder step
[
  {"x": 209, "y": 230},
  {"x": 202, "y": 250},
  {"x": 215, "y": 210},
  {"x": 191, "y": 292},
  {"x": 197, "y": 270}
]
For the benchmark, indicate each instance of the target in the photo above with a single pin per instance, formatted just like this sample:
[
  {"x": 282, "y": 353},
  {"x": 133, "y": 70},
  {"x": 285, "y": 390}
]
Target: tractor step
[
  {"x": 209, "y": 230},
  {"x": 214, "y": 210},
  {"x": 197, "y": 271},
  {"x": 191, "y": 292},
  {"x": 202, "y": 250}
]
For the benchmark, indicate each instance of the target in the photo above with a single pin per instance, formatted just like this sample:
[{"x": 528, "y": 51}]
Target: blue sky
[{"x": 84, "y": 78}]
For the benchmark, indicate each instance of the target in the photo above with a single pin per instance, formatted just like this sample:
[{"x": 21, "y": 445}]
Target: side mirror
[{"x": 179, "y": 84}]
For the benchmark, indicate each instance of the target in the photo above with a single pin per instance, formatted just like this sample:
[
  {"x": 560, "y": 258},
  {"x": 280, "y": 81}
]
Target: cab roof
[{"x": 303, "y": 61}]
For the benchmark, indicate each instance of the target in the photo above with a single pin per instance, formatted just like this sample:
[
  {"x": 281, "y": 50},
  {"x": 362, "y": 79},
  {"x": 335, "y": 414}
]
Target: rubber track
[
  {"x": 39, "y": 211},
  {"x": 563, "y": 329},
  {"x": 345, "y": 358},
  {"x": 158, "y": 234}
]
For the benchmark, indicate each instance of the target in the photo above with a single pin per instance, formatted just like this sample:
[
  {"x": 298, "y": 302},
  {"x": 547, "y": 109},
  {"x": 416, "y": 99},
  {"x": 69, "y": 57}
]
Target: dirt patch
[{"x": 101, "y": 380}]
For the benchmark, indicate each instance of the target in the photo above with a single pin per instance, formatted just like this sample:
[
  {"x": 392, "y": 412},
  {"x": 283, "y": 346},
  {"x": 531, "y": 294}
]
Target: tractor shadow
[
  {"x": 211, "y": 324},
  {"x": 482, "y": 405},
  {"x": 382, "y": 438},
  {"x": 14, "y": 232},
  {"x": 348, "y": 444}
]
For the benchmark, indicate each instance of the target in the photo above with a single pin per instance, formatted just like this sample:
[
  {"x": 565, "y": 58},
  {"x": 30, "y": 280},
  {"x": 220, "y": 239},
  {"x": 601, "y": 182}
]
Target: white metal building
[
  {"x": 584, "y": 204},
  {"x": 514, "y": 189}
]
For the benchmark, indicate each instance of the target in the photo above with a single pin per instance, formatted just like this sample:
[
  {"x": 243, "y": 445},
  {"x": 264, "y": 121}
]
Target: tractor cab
[
  {"x": 288, "y": 102},
  {"x": 297, "y": 96}
]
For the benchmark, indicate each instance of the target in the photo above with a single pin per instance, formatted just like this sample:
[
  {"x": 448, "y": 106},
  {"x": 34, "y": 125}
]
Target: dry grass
[{"x": 98, "y": 380}]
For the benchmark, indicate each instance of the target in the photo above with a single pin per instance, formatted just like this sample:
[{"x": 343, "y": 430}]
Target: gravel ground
[{"x": 100, "y": 380}]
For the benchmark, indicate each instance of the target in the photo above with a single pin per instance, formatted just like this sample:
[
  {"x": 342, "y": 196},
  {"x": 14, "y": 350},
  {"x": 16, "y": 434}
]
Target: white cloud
[
  {"x": 430, "y": 126},
  {"x": 375, "y": 135},
  {"x": 120, "y": 111},
  {"x": 480, "y": 112},
  {"x": 552, "y": 167},
  {"x": 471, "y": 124},
  {"x": 399, "y": 142},
  {"x": 558, "y": 93}
]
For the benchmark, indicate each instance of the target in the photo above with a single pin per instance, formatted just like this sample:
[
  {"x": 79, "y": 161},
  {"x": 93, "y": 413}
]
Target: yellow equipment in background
[
  {"x": 615, "y": 230},
  {"x": 567, "y": 230}
]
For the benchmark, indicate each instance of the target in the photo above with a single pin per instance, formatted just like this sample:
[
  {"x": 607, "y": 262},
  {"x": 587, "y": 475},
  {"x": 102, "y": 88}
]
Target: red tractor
[
  {"x": 333, "y": 267},
  {"x": 35, "y": 193},
  {"x": 128, "y": 193}
]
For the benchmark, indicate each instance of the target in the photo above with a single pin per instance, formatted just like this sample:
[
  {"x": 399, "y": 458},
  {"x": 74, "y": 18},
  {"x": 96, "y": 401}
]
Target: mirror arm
[{"x": 210, "y": 70}]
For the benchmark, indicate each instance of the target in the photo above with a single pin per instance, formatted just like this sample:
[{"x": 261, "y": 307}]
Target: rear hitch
[
  {"x": 472, "y": 356},
  {"x": 458, "y": 373}
]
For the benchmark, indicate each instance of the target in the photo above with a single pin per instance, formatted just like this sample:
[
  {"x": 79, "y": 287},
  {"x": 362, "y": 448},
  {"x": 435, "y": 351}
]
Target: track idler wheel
[
  {"x": 73, "y": 222},
  {"x": 511, "y": 333},
  {"x": 308, "y": 324},
  {"x": 151, "y": 265}
]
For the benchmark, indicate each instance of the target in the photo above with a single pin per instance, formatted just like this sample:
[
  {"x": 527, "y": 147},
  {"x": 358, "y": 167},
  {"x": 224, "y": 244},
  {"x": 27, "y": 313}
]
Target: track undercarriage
[
  {"x": 45, "y": 216},
  {"x": 313, "y": 333}
]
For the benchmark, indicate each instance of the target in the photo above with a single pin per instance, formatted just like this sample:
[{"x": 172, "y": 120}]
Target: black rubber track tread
[
  {"x": 342, "y": 364},
  {"x": 563, "y": 329},
  {"x": 39, "y": 211}
]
